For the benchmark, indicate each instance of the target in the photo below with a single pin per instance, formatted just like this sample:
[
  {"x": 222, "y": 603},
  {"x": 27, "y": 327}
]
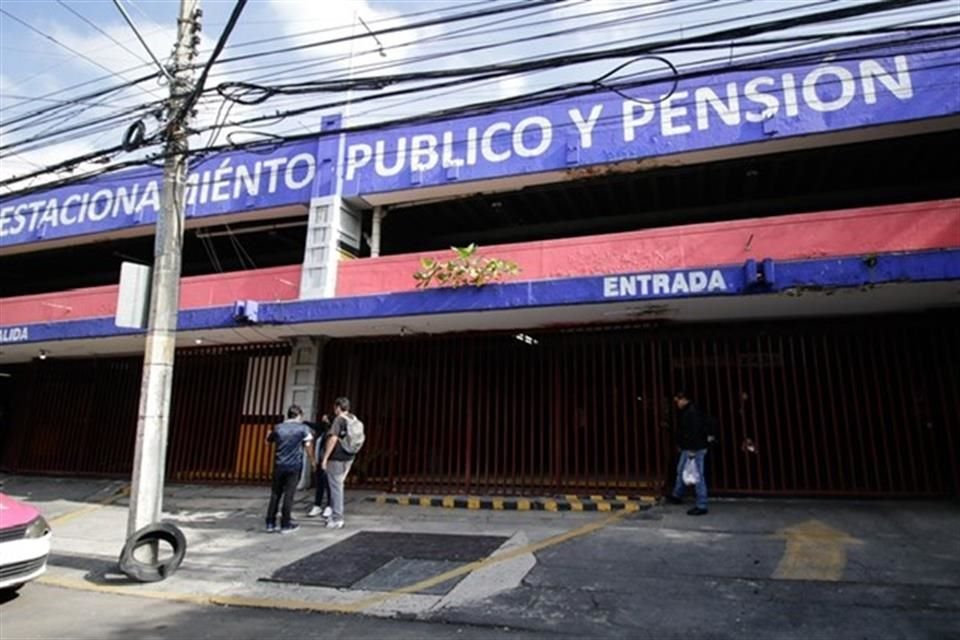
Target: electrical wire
[
  {"x": 64, "y": 46},
  {"x": 578, "y": 89},
  {"x": 97, "y": 28},
  {"x": 659, "y": 34},
  {"x": 298, "y": 65},
  {"x": 950, "y": 15},
  {"x": 493, "y": 70},
  {"x": 221, "y": 43},
  {"x": 482, "y": 30},
  {"x": 646, "y": 14},
  {"x": 74, "y": 128},
  {"x": 393, "y": 123},
  {"x": 154, "y": 75},
  {"x": 57, "y": 115},
  {"x": 185, "y": 108},
  {"x": 662, "y": 33},
  {"x": 83, "y": 98},
  {"x": 470, "y": 15},
  {"x": 549, "y": 8},
  {"x": 553, "y": 95},
  {"x": 527, "y": 100}
]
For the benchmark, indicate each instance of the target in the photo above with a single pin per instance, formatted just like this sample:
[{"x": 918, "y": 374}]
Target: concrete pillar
[
  {"x": 379, "y": 213},
  {"x": 330, "y": 223},
  {"x": 301, "y": 386},
  {"x": 318, "y": 279}
]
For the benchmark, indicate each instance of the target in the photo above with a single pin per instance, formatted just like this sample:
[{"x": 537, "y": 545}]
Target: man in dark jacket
[{"x": 694, "y": 433}]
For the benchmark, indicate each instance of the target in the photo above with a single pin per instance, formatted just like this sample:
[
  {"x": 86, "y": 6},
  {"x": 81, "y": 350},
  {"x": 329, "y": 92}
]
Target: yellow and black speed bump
[
  {"x": 565, "y": 503},
  {"x": 607, "y": 497}
]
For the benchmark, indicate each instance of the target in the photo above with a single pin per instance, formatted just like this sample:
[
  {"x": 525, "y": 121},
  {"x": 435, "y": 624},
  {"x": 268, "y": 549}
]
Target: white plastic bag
[{"x": 691, "y": 475}]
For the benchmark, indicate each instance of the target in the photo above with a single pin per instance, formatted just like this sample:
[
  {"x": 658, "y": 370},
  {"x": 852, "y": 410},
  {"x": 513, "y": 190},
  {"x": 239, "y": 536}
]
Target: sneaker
[
  {"x": 271, "y": 528},
  {"x": 697, "y": 511},
  {"x": 290, "y": 528},
  {"x": 314, "y": 511},
  {"x": 672, "y": 499},
  {"x": 327, "y": 512},
  {"x": 335, "y": 524}
]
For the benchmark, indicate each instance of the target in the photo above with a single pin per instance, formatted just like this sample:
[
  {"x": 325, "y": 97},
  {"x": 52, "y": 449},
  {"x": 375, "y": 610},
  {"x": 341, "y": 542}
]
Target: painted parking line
[
  {"x": 814, "y": 551},
  {"x": 82, "y": 585},
  {"x": 78, "y": 584},
  {"x": 486, "y": 562},
  {"x": 90, "y": 508}
]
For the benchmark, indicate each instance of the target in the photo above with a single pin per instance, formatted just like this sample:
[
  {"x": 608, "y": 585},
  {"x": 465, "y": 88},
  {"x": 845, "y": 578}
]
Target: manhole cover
[{"x": 386, "y": 560}]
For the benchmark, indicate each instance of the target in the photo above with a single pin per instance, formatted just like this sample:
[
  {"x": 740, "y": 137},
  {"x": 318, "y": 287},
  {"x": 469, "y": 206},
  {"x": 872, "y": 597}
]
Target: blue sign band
[
  {"x": 749, "y": 279},
  {"x": 877, "y": 85},
  {"x": 223, "y": 184}
]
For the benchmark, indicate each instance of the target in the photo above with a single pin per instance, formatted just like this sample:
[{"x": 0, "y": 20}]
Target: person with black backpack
[
  {"x": 695, "y": 431},
  {"x": 345, "y": 439}
]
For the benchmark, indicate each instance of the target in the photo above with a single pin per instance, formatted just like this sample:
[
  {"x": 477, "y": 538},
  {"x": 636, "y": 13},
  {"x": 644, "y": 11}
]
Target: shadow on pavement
[{"x": 99, "y": 570}]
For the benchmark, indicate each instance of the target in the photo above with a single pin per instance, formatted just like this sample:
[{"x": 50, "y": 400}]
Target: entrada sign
[{"x": 673, "y": 283}]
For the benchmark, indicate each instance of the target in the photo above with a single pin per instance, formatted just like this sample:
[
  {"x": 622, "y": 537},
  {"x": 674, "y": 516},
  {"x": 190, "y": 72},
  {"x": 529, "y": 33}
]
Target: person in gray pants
[{"x": 336, "y": 461}]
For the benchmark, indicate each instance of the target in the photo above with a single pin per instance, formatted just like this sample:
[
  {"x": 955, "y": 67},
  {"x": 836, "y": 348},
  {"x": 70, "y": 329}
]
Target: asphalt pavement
[{"x": 751, "y": 568}]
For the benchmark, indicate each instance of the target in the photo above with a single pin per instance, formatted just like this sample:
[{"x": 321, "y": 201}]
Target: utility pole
[{"x": 146, "y": 491}]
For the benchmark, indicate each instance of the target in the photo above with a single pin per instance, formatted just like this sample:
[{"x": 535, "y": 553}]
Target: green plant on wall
[{"x": 465, "y": 268}]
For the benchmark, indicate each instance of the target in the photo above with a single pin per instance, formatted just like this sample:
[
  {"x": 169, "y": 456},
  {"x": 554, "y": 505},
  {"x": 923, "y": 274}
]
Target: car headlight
[{"x": 37, "y": 529}]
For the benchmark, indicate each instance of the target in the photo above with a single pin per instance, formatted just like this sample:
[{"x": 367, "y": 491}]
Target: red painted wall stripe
[
  {"x": 910, "y": 227},
  {"x": 275, "y": 283}
]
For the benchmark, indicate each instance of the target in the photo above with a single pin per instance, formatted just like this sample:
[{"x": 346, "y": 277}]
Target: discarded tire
[
  {"x": 153, "y": 572},
  {"x": 133, "y": 136}
]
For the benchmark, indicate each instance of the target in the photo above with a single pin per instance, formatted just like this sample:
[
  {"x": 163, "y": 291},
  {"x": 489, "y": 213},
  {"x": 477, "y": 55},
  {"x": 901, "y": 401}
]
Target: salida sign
[
  {"x": 14, "y": 334},
  {"x": 718, "y": 110}
]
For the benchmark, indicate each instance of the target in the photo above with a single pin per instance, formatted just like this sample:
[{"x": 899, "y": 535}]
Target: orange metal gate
[
  {"x": 224, "y": 398},
  {"x": 863, "y": 407},
  {"x": 80, "y": 416}
]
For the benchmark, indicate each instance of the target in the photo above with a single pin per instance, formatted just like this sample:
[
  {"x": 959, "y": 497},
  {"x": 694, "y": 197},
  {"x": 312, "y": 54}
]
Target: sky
[{"x": 62, "y": 50}]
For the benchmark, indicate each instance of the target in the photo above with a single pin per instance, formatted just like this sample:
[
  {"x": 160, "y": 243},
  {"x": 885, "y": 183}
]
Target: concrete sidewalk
[
  {"x": 229, "y": 554},
  {"x": 791, "y": 569}
]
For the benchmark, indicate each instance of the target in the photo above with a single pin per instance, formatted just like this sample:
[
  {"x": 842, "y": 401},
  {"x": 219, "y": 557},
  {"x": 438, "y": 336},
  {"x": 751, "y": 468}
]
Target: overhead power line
[
  {"x": 719, "y": 38},
  {"x": 141, "y": 79},
  {"x": 67, "y": 47},
  {"x": 242, "y": 44},
  {"x": 72, "y": 130},
  {"x": 852, "y": 51},
  {"x": 470, "y": 15},
  {"x": 221, "y": 43},
  {"x": 136, "y": 32},
  {"x": 553, "y": 62},
  {"x": 494, "y": 26},
  {"x": 97, "y": 28}
]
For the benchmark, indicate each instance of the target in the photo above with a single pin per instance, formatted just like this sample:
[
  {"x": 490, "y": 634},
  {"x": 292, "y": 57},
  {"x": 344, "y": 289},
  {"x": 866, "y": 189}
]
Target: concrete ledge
[{"x": 564, "y": 503}]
